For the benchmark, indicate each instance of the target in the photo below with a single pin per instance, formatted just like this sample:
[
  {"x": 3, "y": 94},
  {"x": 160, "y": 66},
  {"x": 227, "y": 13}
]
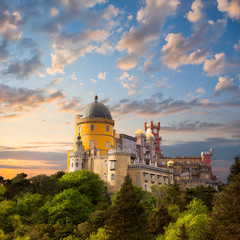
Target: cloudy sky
[{"x": 173, "y": 61}]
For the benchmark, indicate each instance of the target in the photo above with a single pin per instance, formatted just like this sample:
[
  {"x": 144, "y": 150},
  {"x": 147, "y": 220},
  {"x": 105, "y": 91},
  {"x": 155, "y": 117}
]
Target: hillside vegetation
[{"x": 76, "y": 206}]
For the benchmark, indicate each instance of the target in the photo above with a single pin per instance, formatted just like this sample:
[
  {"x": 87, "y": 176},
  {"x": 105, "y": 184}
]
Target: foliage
[
  {"x": 159, "y": 219},
  {"x": 17, "y": 185},
  {"x": 44, "y": 184},
  {"x": 86, "y": 182},
  {"x": 191, "y": 223},
  {"x": 69, "y": 206},
  {"x": 7, "y": 209},
  {"x": 28, "y": 205},
  {"x": 169, "y": 195},
  {"x": 205, "y": 194},
  {"x": 100, "y": 235},
  {"x": 225, "y": 222},
  {"x": 234, "y": 169},
  {"x": 127, "y": 216}
]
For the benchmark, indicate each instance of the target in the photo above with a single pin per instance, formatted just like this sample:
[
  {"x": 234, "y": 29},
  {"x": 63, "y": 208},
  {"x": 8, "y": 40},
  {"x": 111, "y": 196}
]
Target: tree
[
  {"x": 17, "y": 185},
  {"x": 69, "y": 206},
  {"x": 205, "y": 194},
  {"x": 100, "y": 235},
  {"x": 234, "y": 169},
  {"x": 225, "y": 222},
  {"x": 28, "y": 206},
  {"x": 44, "y": 184},
  {"x": 86, "y": 182},
  {"x": 7, "y": 209},
  {"x": 159, "y": 219},
  {"x": 190, "y": 223},
  {"x": 128, "y": 219},
  {"x": 182, "y": 235}
]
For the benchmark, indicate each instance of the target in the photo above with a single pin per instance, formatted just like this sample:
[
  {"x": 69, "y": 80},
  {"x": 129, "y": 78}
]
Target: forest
[{"x": 71, "y": 206}]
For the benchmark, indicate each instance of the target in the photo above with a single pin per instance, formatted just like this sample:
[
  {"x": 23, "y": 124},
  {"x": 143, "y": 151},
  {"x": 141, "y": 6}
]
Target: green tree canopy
[
  {"x": 190, "y": 223},
  {"x": 87, "y": 183},
  {"x": 205, "y": 194},
  {"x": 19, "y": 184},
  {"x": 225, "y": 222},
  {"x": 234, "y": 169},
  {"x": 28, "y": 205},
  {"x": 44, "y": 184},
  {"x": 69, "y": 206},
  {"x": 128, "y": 219}
]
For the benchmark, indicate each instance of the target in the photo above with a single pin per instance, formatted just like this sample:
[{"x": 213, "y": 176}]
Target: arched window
[
  {"x": 112, "y": 177},
  {"x": 145, "y": 187},
  {"x": 105, "y": 176},
  {"x": 107, "y": 128},
  {"x": 77, "y": 164}
]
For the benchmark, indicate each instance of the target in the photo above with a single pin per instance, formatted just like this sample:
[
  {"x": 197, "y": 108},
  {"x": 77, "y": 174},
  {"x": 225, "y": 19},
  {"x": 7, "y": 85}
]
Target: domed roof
[
  {"x": 96, "y": 110},
  {"x": 149, "y": 135},
  {"x": 139, "y": 131},
  {"x": 170, "y": 163}
]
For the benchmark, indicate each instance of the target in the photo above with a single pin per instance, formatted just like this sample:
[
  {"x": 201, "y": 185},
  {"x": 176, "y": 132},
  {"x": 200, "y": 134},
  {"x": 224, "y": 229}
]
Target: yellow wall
[{"x": 100, "y": 135}]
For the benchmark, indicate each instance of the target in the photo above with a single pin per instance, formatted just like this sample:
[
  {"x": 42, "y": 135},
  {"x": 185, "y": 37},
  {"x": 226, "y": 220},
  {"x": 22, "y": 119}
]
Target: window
[
  {"x": 153, "y": 178},
  {"x": 106, "y": 163},
  {"x": 77, "y": 164},
  {"x": 166, "y": 180},
  {"x": 107, "y": 128},
  {"x": 72, "y": 164},
  {"x": 92, "y": 127},
  {"x": 146, "y": 177},
  {"x": 105, "y": 176},
  {"x": 107, "y": 144},
  {"x": 159, "y": 179},
  {"x": 112, "y": 165},
  {"x": 92, "y": 143},
  {"x": 145, "y": 187},
  {"x": 112, "y": 176}
]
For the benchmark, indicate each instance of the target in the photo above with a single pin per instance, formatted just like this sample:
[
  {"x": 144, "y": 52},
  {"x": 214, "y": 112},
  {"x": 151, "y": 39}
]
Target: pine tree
[
  {"x": 234, "y": 169},
  {"x": 127, "y": 215},
  {"x": 183, "y": 233}
]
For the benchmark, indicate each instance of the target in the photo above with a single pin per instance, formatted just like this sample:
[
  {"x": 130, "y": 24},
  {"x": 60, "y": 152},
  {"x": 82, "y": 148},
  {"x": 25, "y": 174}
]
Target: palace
[{"x": 98, "y": 148}]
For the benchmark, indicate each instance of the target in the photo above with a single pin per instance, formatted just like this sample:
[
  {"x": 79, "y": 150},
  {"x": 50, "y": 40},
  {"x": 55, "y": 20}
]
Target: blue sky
[{"x": 172, "y": 61}]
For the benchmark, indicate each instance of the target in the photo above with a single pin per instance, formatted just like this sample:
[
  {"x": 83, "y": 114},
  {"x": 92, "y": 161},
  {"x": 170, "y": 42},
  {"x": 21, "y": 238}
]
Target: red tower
[{"x": 154, "y": 129}]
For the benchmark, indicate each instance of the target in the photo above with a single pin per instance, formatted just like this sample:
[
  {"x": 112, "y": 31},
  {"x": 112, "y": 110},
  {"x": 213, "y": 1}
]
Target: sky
[{"x": 173, "y": 61}]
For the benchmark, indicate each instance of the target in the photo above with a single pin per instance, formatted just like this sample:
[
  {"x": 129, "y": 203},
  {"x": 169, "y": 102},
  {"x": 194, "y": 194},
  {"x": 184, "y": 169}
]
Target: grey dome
[{"x": 96, "y": 110}]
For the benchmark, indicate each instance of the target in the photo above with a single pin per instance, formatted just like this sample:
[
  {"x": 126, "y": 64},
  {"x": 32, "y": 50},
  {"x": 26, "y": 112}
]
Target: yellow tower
[{"x": 95, "y": 125}]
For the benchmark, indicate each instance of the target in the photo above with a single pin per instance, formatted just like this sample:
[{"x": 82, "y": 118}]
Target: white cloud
[
  {"x": 129, "y": 82},
  {"x": 225, "y": 84},
  {"x": 124, "y": 76},
  {"x": 201, "y": 90},
  {"x": 215, "y": 66},
  {"x": 68, "y": 48},
  {"x": 237, "y": 46},
  {"x": 56, "y": 81},
  {"x": 137, "y": 41},
  {"x": 94, "y": 81},
  {"x": 102, "y": 75},
  {"x": 232, "y": 8},
  {"x": 130, "y": 17},
  {"x": 54, "y": 12},
  {"x": 195, "y": 15},
  {"x": 111, "y": 12},
  {"x": 176, "y": 50},
  {"x": 73, "y": 76},
  {"x": 9, "y": 25}
]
